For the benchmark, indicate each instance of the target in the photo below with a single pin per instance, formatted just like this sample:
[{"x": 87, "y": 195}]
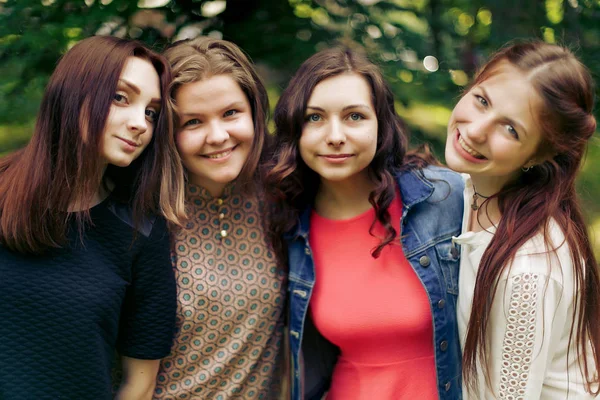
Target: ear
[{"x": 532, "y": 163}]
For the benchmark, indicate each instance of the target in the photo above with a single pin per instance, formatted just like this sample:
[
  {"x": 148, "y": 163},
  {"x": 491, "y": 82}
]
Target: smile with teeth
[
  {"x": 222, "y": 154},
  {"x": 468, "y": 149}
]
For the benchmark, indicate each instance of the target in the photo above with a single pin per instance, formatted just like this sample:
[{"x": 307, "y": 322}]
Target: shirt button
[
  {"x": 220, "y": 202},
  {"x": 424, "y": 261},
  {"x": 444, "y": 345},
  {"x": 447, "y": 386},
  {"x": 441, "y": 303},
  {"x": 307, "y": 251},
  {"x": 221, "y": 216},
  {"x": 223, "y": 233}
]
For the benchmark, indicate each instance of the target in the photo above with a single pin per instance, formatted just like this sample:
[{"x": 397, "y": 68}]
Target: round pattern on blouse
[
  {"x": 519, "y": 338},
  {"x": 231, "y": 295}
]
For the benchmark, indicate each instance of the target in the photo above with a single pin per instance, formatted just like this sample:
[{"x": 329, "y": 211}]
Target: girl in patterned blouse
[
  {"x": 529, "y": 293},
  {"x": 230, "y": 290}
]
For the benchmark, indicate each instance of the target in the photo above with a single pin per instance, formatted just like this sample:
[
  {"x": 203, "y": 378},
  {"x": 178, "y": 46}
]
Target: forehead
[
  {"x": 341, "y": 89},
  {"x": 209, "y": 94},
  {"x": 142, "y": 74},
  {"x": 511, "y": 90}
]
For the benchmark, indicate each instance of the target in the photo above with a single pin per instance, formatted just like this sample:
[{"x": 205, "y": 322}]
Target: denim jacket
[{"x": 432, "y": 201}]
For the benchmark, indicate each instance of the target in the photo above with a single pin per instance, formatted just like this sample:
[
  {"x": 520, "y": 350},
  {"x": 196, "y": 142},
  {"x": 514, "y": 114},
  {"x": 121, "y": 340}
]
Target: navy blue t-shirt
[{"x": 63, "y": 314}]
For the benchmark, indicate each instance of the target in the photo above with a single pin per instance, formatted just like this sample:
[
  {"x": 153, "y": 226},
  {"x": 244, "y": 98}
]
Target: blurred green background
[{"x": 429, "y": 49}]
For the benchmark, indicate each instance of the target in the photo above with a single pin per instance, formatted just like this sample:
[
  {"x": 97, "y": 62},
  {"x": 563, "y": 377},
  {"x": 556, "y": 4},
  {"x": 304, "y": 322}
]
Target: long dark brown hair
[
  {"x": 204, "y": 57},
  {"x": 61, "y": 164},
  {"x": 292, "y": 184},
  {"x": 545, "y": 192}
]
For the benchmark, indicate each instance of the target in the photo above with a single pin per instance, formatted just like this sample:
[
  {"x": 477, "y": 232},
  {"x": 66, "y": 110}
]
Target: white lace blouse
[{"x": 530, "y": 356}]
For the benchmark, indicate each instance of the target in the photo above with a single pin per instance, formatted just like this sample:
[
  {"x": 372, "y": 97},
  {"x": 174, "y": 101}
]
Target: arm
[
  {"x": 147, "y": 320},
  {"x": 139, "y": 379},
  {"x": 528, "y": 320}
]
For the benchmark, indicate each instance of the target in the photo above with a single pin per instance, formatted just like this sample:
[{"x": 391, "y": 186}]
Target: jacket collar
[{"x": 414, "y": 189}]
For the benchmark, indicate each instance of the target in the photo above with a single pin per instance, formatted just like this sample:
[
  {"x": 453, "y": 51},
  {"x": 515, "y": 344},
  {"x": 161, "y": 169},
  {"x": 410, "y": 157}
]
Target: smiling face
[
  {"x": 493, "y": 130},
  {"x": 215, "y": 131},
  {"x": 132, "y": 114},
  {"x": 339, "y": 137}
]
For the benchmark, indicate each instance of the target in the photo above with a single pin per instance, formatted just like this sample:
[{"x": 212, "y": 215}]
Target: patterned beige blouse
[{"x": 231, "y": 304}]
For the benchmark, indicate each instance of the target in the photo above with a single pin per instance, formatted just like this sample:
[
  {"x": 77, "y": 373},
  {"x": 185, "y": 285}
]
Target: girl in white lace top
[{"x": 529, "y": 301}]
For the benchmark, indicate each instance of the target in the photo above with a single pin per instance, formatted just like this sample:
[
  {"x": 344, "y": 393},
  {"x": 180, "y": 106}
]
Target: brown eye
[
  {"x": 152, "y": 115},
  {"x": 119, "y": 98}
]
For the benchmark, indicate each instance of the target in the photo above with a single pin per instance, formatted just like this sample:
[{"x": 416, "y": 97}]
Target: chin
[
  {"x": 453, "y": 162},
  {"x": 121, "y": 163}
]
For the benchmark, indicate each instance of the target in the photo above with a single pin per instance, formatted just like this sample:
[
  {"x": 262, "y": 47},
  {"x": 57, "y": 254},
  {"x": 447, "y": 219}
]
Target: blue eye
[
  {"x": 191, "y": 122},
  {"x": 313, "y": 118},
  {"x": 512, "y": 131},
  {"x": 356, "y": 117},
  {"x": 482, "y": 100}
]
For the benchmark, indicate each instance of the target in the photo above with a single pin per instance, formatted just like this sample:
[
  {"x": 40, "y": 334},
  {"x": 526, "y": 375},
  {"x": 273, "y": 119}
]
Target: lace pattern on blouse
[{"x": 519, "y": 339}]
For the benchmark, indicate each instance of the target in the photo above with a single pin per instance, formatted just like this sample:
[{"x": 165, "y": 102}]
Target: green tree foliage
[{"x": 429, "y": 49}]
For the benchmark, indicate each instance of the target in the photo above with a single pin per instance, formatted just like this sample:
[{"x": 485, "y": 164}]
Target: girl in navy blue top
[{"x": 84, "y": 254}]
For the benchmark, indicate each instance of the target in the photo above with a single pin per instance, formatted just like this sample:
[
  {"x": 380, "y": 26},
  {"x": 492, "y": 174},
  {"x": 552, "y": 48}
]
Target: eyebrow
[
  {"x": 520, "y": 127},
  {"x": 235, "y": 104},
  {"x": 351, "y": 106},
  {"x": 137, "y": 90}
]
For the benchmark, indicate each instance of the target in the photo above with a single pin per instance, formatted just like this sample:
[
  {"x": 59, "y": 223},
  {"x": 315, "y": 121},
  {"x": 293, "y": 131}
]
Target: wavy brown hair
[
  {"x": 545, "y": 192},
  {"x": 293, "y": 185},
  {"x": 61, "y": 164},
  {"x": 204, "y": 57}
]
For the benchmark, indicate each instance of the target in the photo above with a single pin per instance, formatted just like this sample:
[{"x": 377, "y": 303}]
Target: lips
[
  {"x": 336, "y": 155},
  {"x": 129, "y": 142},
  {"x": 469, "y": 149},
  {"x": 219, "y": 154}
]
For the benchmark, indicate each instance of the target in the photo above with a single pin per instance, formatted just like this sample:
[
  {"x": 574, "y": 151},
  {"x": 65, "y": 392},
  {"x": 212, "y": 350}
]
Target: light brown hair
[{"x": 204, "y": 57}]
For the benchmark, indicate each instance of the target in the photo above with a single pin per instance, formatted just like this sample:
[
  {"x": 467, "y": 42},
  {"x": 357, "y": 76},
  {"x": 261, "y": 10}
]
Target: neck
[
  {"x": 343, "y": 200},
  {"x": 215, "y": 189},
  {"x": 487, "y": 213}
]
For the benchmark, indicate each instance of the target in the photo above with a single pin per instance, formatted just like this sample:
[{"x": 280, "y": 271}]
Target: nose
[
  {"x": 137, "y": 122},
  {"x": 217, "y": 133},
  {"x": 335, "y": 133},
  {"x": 479, "y": 129}
]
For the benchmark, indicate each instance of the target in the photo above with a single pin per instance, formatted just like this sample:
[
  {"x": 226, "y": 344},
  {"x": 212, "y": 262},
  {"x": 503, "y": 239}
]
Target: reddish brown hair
[
  {"x": 546, "y": 192},
  {"x": 293, "y": 184},
  {"x": 61, "y": 164},
  {"x": 204, "y": 57}
]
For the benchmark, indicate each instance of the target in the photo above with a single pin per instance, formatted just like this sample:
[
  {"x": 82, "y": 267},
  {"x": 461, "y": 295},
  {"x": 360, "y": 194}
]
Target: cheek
[
  {"x": 247, "y": 129},
  {"x": 461, "y": 111},
  {"x": 189, "y": 143},
  {"x": 305, "y": 144}
]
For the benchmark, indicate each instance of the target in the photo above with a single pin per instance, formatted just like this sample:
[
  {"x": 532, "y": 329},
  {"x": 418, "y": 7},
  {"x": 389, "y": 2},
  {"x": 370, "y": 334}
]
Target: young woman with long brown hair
[
  {"x": 231, "y": 293},
  {"x": 368, "y": 227},
  {"x": 529, "y": 299},
  {"x": 84, "y": 254}
]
